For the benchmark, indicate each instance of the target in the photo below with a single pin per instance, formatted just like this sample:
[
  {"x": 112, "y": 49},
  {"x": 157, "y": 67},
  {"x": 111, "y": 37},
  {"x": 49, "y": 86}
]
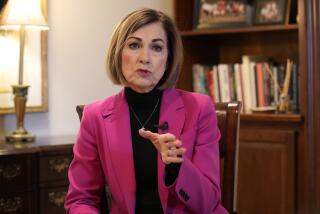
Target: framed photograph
[
  {"x": 271, "y": 12},
  {"x": 221, "y": 13}
]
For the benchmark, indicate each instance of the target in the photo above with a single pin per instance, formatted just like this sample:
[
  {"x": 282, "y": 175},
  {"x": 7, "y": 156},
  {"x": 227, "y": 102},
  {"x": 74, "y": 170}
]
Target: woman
[{"x": 154, "y": 146}]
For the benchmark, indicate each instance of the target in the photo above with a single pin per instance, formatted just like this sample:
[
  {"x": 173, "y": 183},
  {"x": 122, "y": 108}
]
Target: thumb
[{"x": 148, "y": 134}]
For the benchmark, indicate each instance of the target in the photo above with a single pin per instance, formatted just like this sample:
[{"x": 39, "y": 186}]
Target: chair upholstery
[{"x": 228, "y": 115}]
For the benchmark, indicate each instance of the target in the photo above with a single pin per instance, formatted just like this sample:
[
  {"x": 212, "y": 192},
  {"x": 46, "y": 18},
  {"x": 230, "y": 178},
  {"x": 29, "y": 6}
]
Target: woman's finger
[
  {"x": 173, "y": 156},
  {"x": 148, "y": 134},
  {"x": 176, "y": 152},
  {"x": 174, "y": 160},
  {"x": 167, "y": 137},
  {"x": 174, "y": 144}
]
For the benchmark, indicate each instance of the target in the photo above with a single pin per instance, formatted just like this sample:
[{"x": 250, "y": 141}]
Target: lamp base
[
  {"x": 20, "y": 97},
  {"x": 19, "y": 137}
]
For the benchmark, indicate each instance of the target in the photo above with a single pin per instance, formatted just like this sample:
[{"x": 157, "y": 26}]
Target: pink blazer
[{"x": 103, "y": 155}]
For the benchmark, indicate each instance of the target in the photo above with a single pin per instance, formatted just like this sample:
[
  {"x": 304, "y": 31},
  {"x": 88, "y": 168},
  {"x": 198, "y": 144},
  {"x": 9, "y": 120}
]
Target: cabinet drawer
[
  {"x": 17, "y": 173},
  {"x": 52, "y": 200},
  {"x": 54, "y": 167},
  {"x": 17, "y": 203}
]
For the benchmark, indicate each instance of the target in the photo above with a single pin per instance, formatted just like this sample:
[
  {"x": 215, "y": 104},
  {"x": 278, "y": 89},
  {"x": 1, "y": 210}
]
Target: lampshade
[
  {"x": 9, "y": 53},
  {"x": 23, "y": 12}
]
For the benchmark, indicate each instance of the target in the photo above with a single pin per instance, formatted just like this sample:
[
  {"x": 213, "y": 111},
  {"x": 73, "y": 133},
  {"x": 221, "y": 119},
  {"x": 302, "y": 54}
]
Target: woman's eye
[
  {"x": 134, "y": 45},
  {"x": 157, "y": 48}
]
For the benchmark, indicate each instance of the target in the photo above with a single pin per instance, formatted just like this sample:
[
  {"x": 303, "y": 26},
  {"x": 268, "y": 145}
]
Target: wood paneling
[
  {"x": 316, "y": 114},
  {"x": 266, "y": 172}
]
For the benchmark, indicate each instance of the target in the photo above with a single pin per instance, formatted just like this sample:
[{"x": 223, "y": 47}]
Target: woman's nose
[{"x": 144, "y": 57}]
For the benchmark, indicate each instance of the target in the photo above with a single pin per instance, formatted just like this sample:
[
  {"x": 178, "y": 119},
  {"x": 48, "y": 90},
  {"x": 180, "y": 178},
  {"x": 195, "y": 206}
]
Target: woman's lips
[{"x": 143, "y": 72}]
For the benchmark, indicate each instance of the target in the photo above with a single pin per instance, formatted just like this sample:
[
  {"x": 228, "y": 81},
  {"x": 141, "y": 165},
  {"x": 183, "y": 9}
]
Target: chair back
[
  {"x": 228, "y": 115},
  {"x": 79, "y": 110}
]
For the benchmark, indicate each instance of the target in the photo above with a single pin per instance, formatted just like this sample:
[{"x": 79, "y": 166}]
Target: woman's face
[{"x": 144, "y": 57}]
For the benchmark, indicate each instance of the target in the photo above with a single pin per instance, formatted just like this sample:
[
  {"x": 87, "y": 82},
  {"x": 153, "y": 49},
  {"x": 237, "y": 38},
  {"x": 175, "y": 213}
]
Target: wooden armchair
[{"x": 228, "y": 115}]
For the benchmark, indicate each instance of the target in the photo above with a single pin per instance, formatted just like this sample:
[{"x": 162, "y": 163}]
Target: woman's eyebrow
[
  {"x": 153, "y": 40},
  {"x": 158, "y": 39},
  {"x": 133, "y": 37}
]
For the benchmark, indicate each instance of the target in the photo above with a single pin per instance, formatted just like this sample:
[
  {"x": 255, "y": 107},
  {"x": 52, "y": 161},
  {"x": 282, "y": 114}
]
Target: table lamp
[{"x": 21, "y": 15}]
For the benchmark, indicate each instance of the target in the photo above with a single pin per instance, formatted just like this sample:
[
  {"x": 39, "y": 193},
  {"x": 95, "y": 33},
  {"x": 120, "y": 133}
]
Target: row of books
[{"x": 257, "y": 84}]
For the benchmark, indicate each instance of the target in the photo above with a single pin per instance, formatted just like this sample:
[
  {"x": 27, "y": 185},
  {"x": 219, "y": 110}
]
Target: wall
[{"x": 79, "y": 33}]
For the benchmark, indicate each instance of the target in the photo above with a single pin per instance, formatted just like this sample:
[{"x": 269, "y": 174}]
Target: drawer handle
[
  {"x": 57, "y": 198},
  {"x": 9, "y": 172},
  {"x": 10, "y": 205},
  {"x": 59, "y": 165}
]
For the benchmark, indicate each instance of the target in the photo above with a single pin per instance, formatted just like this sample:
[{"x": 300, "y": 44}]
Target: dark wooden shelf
[
  {"x": 290, "y": 118},
  {"x": 213, "y": 31}
]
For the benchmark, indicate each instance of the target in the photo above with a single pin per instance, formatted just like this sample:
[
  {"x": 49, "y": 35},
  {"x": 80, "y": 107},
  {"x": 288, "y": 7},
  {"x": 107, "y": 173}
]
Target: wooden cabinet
[
  {"x": 33, "y": 176},
  {"x": 266, "y": 173},
  {"x": 17, "y": 183},
  {"x": 53, "y": 180},
  {"x": 278, "y": 152}
]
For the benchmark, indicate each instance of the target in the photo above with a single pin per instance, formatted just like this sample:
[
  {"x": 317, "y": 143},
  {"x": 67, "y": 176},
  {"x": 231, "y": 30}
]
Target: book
[
  {"x": 217, "y": 97},
  {"x": 210, "y": 82},
  {"x": 253, "y": 87},
  {"x": 260, "y": 84},
  {"x": 199, "y": 79},
  {"x": 247, "y": 94},
  {"x": 238, "y": 83},
  {"x": 295, "y": 88},
  {"x": 232, "y": 84},
  {"x": 274, "y": 70},
  {"x": 224, "y": 83}
]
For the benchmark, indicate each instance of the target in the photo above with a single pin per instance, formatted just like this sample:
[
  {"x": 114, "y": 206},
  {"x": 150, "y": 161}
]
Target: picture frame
[
  {"x": 269, "y": 12},
  {"x": 221, "y": 13},
  {"x": 35, "y": 66}
]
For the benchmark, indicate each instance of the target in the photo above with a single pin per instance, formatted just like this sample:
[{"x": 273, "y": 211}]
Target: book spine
[
  {"x": 267, "y": 88},
  {"x": 224, "y": 82},
  {"x": 253, "y": 84},
  {"x": 260, "y": 86},
  {"x": 245, "y": 67},
  {"x": 196, "y": 78},
  {"x": 199, "y": 79},
  {"x": 210, "y": 83},
  {"x": 238, "y": 82},
  {"x": 232, "y": 87},
  {"x": 203, "y": 80},
  {"x": 272, "y": 88},
  {"x": 295, "y": 88},
  {"x": 276, "y": 91},
  {"x": 216, "y": 84}
]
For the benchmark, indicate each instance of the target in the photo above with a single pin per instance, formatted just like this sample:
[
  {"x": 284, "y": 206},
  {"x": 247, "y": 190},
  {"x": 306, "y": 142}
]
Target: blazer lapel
[
  {"x": 172, "y": 111},
  {"x": 117, "y": 124}
]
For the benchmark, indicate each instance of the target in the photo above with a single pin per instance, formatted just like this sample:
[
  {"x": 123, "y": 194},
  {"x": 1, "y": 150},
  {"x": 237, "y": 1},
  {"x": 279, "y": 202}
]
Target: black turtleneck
[{"x": 141, "y": 107}]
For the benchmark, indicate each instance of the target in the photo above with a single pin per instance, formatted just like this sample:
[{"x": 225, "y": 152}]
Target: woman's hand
[{"x": 167, "y": 144}]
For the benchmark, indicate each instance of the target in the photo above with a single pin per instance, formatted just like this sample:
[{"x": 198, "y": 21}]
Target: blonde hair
[{"x": 131, "y": 23}]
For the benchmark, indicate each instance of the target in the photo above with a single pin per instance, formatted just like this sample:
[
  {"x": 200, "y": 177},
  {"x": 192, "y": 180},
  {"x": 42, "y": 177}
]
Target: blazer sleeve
[
  {"x": 198, "y": 183},
  {"x": 85, "y": 171}
]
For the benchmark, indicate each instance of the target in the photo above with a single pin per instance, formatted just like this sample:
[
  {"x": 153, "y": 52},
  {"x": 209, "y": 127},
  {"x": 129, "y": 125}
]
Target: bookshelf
[
  {"x": 265, "y": 28},
  {"x": 274, "y": 149}
]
